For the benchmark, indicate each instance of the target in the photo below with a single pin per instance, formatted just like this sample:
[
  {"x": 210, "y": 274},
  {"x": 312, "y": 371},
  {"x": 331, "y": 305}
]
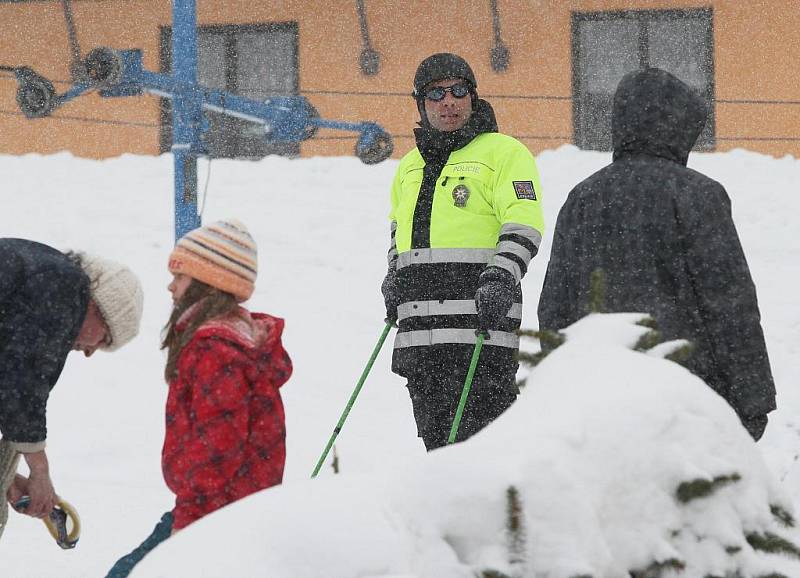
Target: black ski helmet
[{"x": 440, "y": 66}]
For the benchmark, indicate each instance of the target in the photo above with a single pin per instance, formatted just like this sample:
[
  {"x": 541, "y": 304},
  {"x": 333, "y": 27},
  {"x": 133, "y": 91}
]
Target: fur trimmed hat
[
  {"x": 118, "y": 294},
  {"x": 222, "y": 254}
]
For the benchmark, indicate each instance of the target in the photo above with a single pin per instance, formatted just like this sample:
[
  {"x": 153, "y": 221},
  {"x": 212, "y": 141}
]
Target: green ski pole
[
  {"x": 353, "y": 397},
  {"x": 467, "y": 385}
]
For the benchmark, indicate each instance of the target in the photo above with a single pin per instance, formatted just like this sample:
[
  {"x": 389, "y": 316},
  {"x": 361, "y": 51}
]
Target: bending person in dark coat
[
  {"x": 664, "y": 236},
  {"x": 50, "y": 303}
]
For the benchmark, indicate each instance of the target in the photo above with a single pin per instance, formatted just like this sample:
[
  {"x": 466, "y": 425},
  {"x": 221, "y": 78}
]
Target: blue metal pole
[{"x": 186, "y": 115}]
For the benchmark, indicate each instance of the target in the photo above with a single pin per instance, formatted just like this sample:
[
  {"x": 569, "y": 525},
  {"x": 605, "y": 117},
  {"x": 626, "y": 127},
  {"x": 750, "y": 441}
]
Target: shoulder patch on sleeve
[{"x": 525, "y": 190}]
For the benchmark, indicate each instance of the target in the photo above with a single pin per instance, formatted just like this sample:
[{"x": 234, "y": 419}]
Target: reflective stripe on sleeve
[
  {"x": 509, "y": 265},
  {"x": 445, "y": 336},
  {"x": 517, "y": 245},
  {"x": 531, "y": 234}
]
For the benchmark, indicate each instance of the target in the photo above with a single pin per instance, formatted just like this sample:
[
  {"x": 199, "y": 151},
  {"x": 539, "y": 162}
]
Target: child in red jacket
[
  {"x": 225, "y": 430},
  {"x": 225, "y": 426}
]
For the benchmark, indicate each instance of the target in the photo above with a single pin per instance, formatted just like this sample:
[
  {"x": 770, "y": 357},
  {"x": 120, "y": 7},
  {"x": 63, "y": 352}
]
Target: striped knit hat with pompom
[{"x": 222, "y": 254}]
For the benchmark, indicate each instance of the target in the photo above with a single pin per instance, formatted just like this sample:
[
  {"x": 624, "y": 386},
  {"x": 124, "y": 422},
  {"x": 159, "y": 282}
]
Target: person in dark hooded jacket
[
  {"x": 50, "y": 304},
  {"x": 664, "y": 237},
  {"x": 465, "y": 222}
]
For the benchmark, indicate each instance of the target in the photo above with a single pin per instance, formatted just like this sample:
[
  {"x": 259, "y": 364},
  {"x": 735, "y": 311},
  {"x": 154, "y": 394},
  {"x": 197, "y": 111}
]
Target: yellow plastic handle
[{"x": 73, "y": 534}]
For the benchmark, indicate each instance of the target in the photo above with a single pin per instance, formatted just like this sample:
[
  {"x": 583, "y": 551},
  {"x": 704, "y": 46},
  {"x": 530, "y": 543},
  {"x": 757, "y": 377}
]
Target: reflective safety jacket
[{"x": 478, "y": 206}]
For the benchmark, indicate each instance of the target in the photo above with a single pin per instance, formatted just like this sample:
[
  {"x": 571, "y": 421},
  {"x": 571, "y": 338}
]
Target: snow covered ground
[{"x": 322, "y": 233}]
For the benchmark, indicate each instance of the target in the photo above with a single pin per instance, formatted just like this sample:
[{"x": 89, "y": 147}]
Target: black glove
[
  {"x": 755, "y": 425},
  {"x": 391, "y": 295},
  {"x": 494, "y": 297}
]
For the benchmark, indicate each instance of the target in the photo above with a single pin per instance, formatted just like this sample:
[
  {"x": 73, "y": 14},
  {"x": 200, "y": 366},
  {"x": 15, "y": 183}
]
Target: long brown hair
[{"x": 215, "y": 303}]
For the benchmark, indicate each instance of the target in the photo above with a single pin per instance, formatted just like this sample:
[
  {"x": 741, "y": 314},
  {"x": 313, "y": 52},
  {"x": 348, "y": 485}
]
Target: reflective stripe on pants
[
  {"x": 447, "y": 307},
  {"x": 421, "y": 256},
  {"x": 443, "y": 336}
]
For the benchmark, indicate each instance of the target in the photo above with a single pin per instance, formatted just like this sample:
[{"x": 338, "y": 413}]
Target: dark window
[
  {"x": 255, "y": 61},
  {"x": 607, "y": 45}
]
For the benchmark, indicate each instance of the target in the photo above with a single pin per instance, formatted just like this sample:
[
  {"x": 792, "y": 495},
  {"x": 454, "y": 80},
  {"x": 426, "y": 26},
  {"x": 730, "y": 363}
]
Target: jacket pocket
[{"x": 465, "y": 192}]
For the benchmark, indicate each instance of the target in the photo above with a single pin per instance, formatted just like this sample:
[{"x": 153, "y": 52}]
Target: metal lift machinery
[{"x": 120, "y": 73}]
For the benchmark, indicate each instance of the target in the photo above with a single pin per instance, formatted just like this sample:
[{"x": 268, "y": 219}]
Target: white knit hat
[{"x": 116, "y": 291}]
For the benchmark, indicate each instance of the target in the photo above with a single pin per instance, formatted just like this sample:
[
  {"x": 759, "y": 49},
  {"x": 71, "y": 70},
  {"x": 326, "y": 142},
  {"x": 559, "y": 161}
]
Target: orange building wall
[
  {"x": 34, "y": 34},
  {"x": 757, "y": 53},
  {"x": 755, "y": 59}
]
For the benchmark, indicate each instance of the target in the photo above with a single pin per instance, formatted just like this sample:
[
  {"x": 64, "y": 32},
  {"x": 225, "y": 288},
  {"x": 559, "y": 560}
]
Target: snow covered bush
[{"x": 613, "y": 463}]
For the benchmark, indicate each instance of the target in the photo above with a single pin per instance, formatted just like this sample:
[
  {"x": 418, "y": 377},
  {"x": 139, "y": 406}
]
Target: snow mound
[{"x": 613, "y": 461}]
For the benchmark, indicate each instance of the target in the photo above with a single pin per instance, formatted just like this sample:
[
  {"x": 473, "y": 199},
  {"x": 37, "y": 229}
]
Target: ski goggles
[{"x": 438, "y": 93}]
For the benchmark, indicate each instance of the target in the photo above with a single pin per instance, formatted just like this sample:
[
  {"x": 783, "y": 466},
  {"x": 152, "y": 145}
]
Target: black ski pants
[{"x": 435, "y": 389}]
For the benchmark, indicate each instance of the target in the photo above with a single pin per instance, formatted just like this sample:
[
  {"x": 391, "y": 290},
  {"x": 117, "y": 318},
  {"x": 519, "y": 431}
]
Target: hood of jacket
[
  {"x": 656, "y": 114},
  {"x": 256, "y": 334}
]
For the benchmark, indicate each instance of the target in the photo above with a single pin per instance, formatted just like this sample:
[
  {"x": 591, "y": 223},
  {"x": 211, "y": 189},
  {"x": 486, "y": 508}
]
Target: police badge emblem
[{"x": 460, "y": 195}]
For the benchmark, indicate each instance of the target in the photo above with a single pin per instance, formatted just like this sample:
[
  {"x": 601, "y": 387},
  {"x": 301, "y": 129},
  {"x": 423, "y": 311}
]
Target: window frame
[
  {"x": 644, "y": 17},
  {"x": 229, "y": 32}
]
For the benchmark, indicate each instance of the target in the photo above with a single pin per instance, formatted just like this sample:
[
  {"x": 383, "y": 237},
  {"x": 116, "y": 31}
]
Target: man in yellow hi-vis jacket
[{"x": 466, "y": 221}]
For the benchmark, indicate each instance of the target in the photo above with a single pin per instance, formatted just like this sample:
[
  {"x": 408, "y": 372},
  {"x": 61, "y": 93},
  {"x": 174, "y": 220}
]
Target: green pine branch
[
  {"x": 597, "y": 291},
  {"x": 549, "y": 341},
  {"x": 648, "y": 341},
  {"x": 657, "y": 569},
  {"x": 654, "y": 337},
  {"x": 530, "y": 359},
  {"x": 515, "y": 530},
  {"x": 492, "y": 574},
  {"x": 783, "y": 517},
  {"x": 700, "y": 487},
  {"x": 648, "y": 322},
  {"x": 682, "y": 354},
  {"x": 528, "y": 333},
  {"x": 772, "y": 544}
]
